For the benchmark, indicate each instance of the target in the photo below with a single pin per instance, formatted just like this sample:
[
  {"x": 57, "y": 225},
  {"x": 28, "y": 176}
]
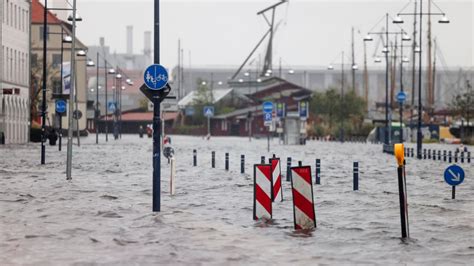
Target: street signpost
[
  {"x": 303, "y": 110},
  {"x": 208, "y": 112},
  {"x": 61, "y": 106},
  {"x": 280, "y": 110},
  {"x": 401, "y": 97},
  {"x": 454, "y": 176},
  {"x": 77, "y": 114},
  {"x": 111, "y": 106},
  {"x": 268, "y": 119},
  {"x": 156, "y": 77}
]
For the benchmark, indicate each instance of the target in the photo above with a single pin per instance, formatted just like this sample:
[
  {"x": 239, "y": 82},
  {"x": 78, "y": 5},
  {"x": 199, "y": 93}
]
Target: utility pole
[
  {"x": 156, "y": 118},
  {"x": 178, "y": 76},
  {"x": 366, "y": 79},
  {"x": 419, "y": 135},
  {"x": 71, "y": 93},
  {"x": 387, "y": 133},
  {"x": 429, "y": 76},
  {"x": 353, "y": 64},
  {"x": 45, "y": 76},
  {"x": 413, "y": 84},
  {"x": 342, "y": 98}
]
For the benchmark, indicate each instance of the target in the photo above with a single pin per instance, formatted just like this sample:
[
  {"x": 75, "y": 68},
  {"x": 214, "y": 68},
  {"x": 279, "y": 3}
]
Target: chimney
[
  {"x": 102, "y": 41},
  {"x": 147, "y": 44},
  {"x": 129, "y": 40}
]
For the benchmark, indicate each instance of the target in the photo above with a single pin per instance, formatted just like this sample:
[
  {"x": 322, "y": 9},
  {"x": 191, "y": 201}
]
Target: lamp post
[
  {"x": 111, "y": 71},
  {"x": 118, "y": 85},
  {"x": 404, "y": 37},
  {"x": 399, "y": 20}
]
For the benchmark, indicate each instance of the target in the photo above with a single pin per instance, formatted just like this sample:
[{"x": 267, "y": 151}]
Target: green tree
[{"x": 462, "y": 104}]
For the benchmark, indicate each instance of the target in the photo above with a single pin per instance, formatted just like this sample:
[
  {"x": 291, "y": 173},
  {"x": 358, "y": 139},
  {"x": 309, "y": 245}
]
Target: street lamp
[
  {"x": 443, "y": 20},
  {"x": 78, "y": 17}
]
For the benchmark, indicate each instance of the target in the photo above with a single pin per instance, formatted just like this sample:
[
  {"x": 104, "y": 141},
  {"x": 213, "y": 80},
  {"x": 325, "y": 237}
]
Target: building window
[
  {"x": 41, "y": 33},
  {"x": 34, "y": 60},
  {"x": 56, "y": 60},
  {"x": 223, "y": 125},
  {"x": 56, "y": 85}
]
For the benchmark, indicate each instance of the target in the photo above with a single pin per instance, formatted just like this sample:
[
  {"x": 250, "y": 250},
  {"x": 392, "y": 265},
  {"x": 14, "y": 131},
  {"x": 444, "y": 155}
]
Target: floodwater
[{"x": 103, "y": 216}]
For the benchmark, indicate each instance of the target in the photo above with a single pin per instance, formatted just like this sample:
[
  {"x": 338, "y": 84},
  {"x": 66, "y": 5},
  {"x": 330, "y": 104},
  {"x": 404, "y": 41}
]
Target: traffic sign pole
[{"x": 156, "y": 119}]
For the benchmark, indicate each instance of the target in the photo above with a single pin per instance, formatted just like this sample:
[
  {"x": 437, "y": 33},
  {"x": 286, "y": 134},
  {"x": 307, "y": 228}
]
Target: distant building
[
  {"x": 58, "y": 62},
  {"x": 14, "y": 71},
  {"x": 447, "y": 81}
]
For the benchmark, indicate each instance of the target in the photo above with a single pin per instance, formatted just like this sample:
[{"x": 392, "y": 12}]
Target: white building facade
[{"x": 15, "y": 71}]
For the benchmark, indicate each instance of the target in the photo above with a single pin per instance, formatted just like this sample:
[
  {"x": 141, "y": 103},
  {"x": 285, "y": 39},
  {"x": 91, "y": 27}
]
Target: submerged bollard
[
  {"x": 213, "y": 159},
  {"x": 424, "y": 153},
  {"x": 462, "y": 157},
  {"x": 469, "y": 157},
  {"x": 450, "y": 157},
  {"x": 429, "y": 153},
  {"x": 227, "y": 161},
  {"x": 439, "y": 155},
  {"x": 398, "y": 150},
  {"x": 194, "y": 158},
  {"x": 318, "y": 172},
  {"x": 456, "y": 157},
  {"x": 444, "y": 156},
  {"x": 355, "y": 181},
  {"x": 434, "y": 155},
  {"x": 262, "y": 159},
  {"x": 288, "y": 169},
  {"x": 173, "y": 176},
  {"x": 242, "y": 164}
]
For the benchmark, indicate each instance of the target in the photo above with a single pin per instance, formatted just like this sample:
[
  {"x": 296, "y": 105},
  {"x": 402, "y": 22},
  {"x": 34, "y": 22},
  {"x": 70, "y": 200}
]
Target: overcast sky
[{"x": 223, "y": 32}]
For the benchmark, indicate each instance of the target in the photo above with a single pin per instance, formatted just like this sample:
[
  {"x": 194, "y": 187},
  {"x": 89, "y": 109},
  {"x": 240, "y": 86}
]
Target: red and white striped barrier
[
  {"x": 276, "y": 178},
  {"x": 303, "y": 204},
  {"x": 262, "y": 200}
]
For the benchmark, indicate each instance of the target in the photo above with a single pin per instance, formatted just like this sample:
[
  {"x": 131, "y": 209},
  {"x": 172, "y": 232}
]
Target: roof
[
  {"x": 145, "y": 116},
  {"x": 217, "y": 94},
  {"x": 37, "y": 14}
]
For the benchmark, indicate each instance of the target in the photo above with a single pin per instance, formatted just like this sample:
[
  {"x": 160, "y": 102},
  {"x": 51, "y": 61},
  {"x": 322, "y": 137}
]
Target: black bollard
[
  {"x": 194, "y": 158},
  {"x": 434, "y": 155},
  {"x": 424, "y": 153},
  {"x": 469, "y": 157},
  {"x": 412, "y": 152},
  {"x": 355, "y": 181},
  {"x": 318, "y": 171},
  {"x": 453, "y": 193},
  {"x": 456, "y": 157},
  {"x": 429, "y": 153},
  {"x": 444, "y": 156},
  {"x": 288, "y": 169},
  {"x": 439, "y": 155},
  {"x": 300, "y": 163},
  {"x": 450, "y": 157},
  {"x": 242, "y": 164},
  {"x": 227, "y": 161},
  {"x": 213, "y": 159},
  {"x": 462, "y": 157},
  {"x": 262, "y": 159}
]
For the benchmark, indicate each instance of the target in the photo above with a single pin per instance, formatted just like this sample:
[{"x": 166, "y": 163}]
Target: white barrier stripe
[
  {"x": 260, "y": 211},
  {"x": 302, "y": 219},
  {"x": 263, "y": 182},
  {"x": 300, "y": 185}
]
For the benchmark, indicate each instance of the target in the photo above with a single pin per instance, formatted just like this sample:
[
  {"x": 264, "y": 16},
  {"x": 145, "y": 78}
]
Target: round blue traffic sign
[
  {"x": 267, "y": 107},
  {"x": 401, "y": 96},
  {"x": 60, "y": 106},
  {"x": 155, "y": 77},
  {"x": 454, "y": 175}
]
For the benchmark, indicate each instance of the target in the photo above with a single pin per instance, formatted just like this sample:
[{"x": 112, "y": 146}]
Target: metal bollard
[
  {"x": 213, "y": 159},
  {"x": 227, "y": 161},
  {"x": 194, "y": 158},
  {"x": 462, "y": 157},
  {"x": 242, "y": 164},
  {"x": 450, "y": 157},
  {"x": 318, "y": 172},
  {"x": 456, "y": 157},
  {"x": 424, "y": 153},
  {"x": 429, "y": 153},
  {"x": 444, "y": 155},
  {"x": 439, "y": 155},
  {"x": 355, "y": 185},
  {"x": 469, "y": 157},
  {"x": 434, "y": 155},
  {"x": 288, "y": 169}
]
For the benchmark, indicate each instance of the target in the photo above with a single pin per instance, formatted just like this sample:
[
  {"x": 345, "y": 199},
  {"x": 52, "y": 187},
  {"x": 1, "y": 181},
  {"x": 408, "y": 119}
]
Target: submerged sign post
[
  {"x": 156, "y": 89},
  {"x": 208, "y": 112},
  {"x": 454, "y": 175}
]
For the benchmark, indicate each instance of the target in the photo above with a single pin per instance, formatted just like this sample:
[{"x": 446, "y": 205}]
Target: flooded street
[{"x": 103, "y": 216}]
